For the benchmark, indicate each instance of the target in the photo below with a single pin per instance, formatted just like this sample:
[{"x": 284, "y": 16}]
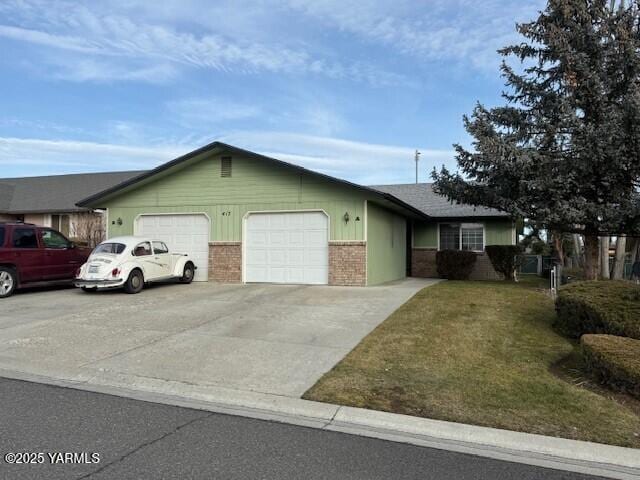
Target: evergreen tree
[{"x": 564, "y": 152}]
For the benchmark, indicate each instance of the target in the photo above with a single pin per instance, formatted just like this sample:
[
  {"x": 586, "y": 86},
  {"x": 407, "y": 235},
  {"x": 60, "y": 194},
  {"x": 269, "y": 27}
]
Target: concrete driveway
[{"x": 271, "y": 339}]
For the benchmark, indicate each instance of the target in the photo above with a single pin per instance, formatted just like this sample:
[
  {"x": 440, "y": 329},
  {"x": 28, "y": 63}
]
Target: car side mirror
[{"x": 71, "y": 245}]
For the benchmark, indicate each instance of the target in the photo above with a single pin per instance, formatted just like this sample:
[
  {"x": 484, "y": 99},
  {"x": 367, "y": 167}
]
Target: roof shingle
[
  {"x": 422, "y": 197},
  {"x": 55, "y": 193}
]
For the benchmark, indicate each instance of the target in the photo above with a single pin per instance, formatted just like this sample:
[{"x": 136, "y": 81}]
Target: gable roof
[
  {"x": 422, "y": 197},
  {"x": 219, "y": 147},
  {"x": 55, "y": 193}
]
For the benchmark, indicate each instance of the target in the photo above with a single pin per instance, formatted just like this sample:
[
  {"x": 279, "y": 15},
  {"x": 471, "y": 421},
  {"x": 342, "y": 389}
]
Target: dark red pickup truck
[{"x": 32, "y": 255}]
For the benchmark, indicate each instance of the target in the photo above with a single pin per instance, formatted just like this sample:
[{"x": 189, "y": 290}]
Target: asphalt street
[{"x": 141, "y": 440}]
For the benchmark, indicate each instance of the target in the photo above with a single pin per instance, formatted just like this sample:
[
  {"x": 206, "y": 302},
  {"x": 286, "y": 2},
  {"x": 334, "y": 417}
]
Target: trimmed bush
[
  {"x": 611, "y": 307},
  {"x": 614, "y": 361},
  {"x": 455, "y": 264},
  {"x": 505, "y": 259}
]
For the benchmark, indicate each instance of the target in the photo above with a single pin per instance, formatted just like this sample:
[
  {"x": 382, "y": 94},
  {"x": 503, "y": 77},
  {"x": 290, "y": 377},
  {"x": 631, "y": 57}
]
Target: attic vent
[{"x": 225, "y": 167}]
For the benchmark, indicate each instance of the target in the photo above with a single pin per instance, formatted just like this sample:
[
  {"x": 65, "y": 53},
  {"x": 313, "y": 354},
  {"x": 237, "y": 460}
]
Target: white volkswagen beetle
[{"x": 130, "y": 262}]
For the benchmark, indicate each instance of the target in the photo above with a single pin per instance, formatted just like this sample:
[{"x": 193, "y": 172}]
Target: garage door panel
[
  {"x": 296, "y": 244},
  {"x": 315, "y": 258},
  {"x": 258, "y": 239},
  {"x": 257, "y": 256},
  {"x": 315, "y": 276},
  {"x": 277, "y": 275},
  {"x": 296, "y": 238},
  {"x": 278, "y": 238},
  {"x": 277, "y": 257},
  {"x": 183, "y": 233},
  {"x": 259, "y": 273},
  {"x": 315, "y": 237},
  {"x": 296, "y": 257},
  {"x": 296, "y": 275}
]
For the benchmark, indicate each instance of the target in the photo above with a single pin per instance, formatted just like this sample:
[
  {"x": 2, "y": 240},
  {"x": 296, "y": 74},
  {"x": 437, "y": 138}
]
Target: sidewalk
[{"x": 550, "y": 452}]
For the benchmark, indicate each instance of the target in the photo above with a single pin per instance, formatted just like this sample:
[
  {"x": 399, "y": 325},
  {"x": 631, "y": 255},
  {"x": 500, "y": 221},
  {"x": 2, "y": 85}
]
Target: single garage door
[
  {"x": 287, "y": 248},
  {"x": 183, "y": 234}
]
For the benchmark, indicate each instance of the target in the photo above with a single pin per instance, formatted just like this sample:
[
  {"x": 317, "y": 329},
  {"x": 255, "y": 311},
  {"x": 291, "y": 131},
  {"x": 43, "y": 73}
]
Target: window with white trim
[{"x": 462, "y": 236}]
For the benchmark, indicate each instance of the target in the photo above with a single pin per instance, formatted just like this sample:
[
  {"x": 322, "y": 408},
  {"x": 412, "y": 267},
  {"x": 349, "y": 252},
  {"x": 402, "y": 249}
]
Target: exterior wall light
[
  {"x": 345, "y": 217},
  {"x": 119, "y": 221}
]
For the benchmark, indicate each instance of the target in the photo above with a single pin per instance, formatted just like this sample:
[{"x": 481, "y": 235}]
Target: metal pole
[{"x": 417, "y": 160}]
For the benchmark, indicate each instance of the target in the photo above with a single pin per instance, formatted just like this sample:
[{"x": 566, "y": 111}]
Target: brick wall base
[
  {"x": 423, "y": 264},
  {"x": 348, "y": 263},
  {"x": 225, "y": 262}
]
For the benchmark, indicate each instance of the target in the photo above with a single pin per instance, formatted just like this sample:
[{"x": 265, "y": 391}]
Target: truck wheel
[
  {"x": 8, "y": 282},
  {"x": 188, "y": 273},
  {"x": 135, "y": 282}
]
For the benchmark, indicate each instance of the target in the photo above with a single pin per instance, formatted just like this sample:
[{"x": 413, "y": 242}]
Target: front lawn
[{"x": 481, "y": 353}]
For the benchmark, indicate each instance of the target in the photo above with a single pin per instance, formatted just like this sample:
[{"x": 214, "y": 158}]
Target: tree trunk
[
  {"x": 590, "y": 256},
  {"x": 621, "y": 254},
  {"x": 635, "y": 245},
  {"x": 604, "y": 257},
  {"x": 578, "y": 259},
  {"x": 557, "y": 245}
]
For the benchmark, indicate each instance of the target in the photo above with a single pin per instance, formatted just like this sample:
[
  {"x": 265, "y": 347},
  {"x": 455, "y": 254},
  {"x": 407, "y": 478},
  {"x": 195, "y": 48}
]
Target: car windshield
[{"x": 113, "y": 248}]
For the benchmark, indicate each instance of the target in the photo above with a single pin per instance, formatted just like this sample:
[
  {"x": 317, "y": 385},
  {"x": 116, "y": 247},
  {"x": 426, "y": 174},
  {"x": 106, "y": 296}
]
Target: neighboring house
[
  {"x": 452, "y": 227},
  {"x": 51, "y": 201},
  {"x": 245, "y": 217}
]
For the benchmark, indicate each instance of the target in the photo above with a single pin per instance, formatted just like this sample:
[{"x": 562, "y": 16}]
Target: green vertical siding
[
  {"x": 497, "y": 232},
  {"x": 425, "y": 234},
  {"x": 386, "y": 245},
  {"x": 255, "y": 185}
]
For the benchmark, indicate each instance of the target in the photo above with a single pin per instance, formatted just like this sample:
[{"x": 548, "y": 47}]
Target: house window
[
  {"x": 225, "y": 167},
  {"x": 462, "y": 236},
  {"x": 449, "y": 237}
]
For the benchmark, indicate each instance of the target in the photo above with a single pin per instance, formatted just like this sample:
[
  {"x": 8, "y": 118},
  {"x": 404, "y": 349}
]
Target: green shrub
[
  {"x": 611, "y": 307},
  {"x": 613, "y": 360},
  {"x": 505, "y": 259},
  {"x": 455, "y": 264}
]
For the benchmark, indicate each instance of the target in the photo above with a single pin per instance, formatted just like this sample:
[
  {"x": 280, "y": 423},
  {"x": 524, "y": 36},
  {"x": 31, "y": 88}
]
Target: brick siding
[
  {"x": 225, "y": 262},
  {"x": 423, "y": 264},
  {"x": 348, "y": 263}
]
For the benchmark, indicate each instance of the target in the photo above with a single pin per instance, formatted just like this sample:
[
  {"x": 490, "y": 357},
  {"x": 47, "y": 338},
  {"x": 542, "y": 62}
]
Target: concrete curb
[{"x": 549, "y": 452}]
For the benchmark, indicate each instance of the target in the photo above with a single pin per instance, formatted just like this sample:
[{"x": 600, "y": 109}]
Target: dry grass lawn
[{"x": 479, "y": 353}]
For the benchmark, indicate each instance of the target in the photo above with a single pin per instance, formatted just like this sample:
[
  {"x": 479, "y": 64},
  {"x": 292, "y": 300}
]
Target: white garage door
[
  {"x": 287, "y": 248},
  {"x": 183, "y": 234}
]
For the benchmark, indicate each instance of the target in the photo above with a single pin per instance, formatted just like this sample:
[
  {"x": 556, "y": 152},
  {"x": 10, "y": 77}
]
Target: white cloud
[
  {"x": 211, "y": 110},
  {"x": 460, "y": 30},
  {"x": 76, "y": 156},
  {"x": 106, "y": 71},
  {"x": 83, "y": 31},
  {"x": 360, "y": 162}
]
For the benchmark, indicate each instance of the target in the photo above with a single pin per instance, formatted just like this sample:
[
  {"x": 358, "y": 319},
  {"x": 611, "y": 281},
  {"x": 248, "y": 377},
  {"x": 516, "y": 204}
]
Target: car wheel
[
  {"x": 89, "y": 289},
  {"x": 188, "y": 273},
  {"x": 8, "y": 282},
  {"x": 135, "y": 282}
]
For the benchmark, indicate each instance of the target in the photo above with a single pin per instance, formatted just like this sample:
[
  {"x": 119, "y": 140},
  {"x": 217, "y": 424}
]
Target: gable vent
[{"x": 225, "y": 167}]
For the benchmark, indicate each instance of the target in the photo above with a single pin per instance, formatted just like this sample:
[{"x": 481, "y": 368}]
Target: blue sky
[{"x": 349, "y": 90}]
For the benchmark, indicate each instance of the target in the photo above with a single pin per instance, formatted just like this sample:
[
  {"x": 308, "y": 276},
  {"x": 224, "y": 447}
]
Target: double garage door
[{"x": 289, "y": 247}]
